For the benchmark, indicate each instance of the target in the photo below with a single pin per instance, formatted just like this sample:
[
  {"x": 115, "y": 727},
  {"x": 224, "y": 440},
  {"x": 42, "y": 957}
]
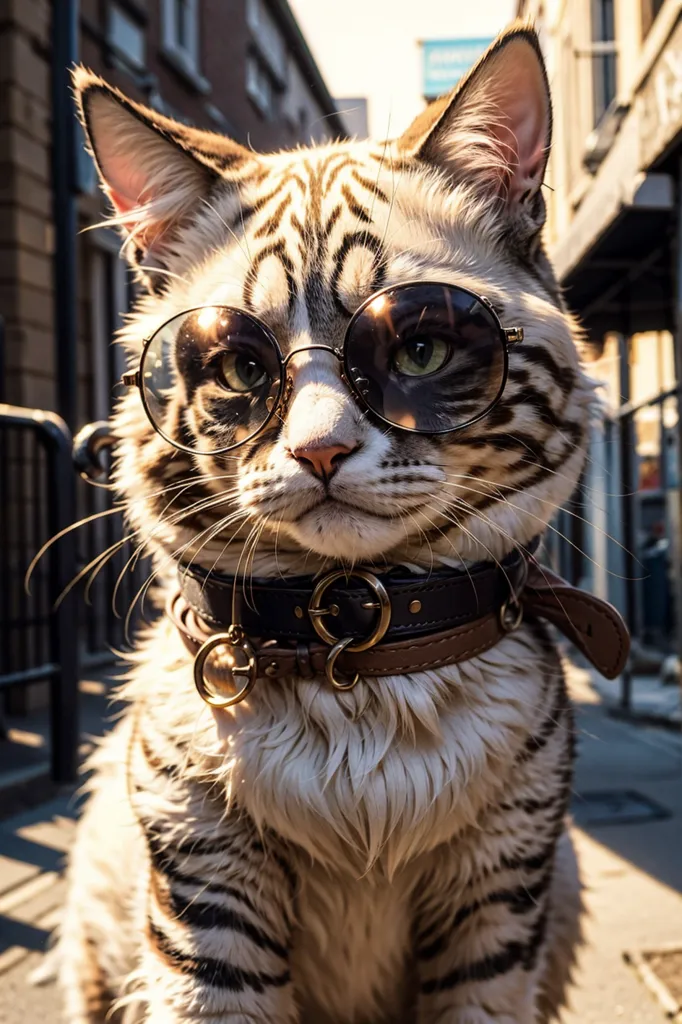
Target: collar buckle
[{"x": 318, "y": 611}]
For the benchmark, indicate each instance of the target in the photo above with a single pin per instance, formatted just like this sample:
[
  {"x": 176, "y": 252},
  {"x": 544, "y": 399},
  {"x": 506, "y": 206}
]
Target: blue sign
[{"x": 446, "y": 60}]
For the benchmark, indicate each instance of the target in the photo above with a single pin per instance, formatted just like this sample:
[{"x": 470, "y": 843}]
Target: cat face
[{"x": 298, "y": 242}]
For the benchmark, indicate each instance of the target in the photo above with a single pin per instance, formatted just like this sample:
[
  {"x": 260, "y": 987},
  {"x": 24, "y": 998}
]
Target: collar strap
[
  {"x": 347, "y": 625},
  {"x": 397, "y": 605}
]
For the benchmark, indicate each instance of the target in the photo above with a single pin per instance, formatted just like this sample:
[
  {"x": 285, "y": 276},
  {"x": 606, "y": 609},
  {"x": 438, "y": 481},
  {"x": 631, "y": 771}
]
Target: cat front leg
[
  {"x": 482, "y": 939},
  {"x": 216, "y": 912},
  {"x": 218, "y": 928},
  {"x": 483, "y": 967},
  {"x": 486, "y": 916}
]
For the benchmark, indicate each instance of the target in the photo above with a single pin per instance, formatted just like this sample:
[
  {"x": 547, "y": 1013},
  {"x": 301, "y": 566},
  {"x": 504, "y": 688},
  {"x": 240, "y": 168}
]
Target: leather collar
[
  {"x": 287, "y": 609},
  {"x": 350, "y": 624}
]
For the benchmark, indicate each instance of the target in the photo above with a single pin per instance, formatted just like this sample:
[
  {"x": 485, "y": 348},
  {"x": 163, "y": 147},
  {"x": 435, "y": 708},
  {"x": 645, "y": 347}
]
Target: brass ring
[
  {"x": 316, "y": 611},
  {"x": 511, "y": 615},
  {"x": 339, "y": 647},
  {"x": 237, "y": 641}
]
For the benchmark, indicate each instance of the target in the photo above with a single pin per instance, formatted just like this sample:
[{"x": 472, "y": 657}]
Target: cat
[{"x": 397, "y": 851}]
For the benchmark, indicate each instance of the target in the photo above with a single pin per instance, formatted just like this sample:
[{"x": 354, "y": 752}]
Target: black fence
[
  {"x": 85, "y": 593},
  {"x": 38, "y": 633}
]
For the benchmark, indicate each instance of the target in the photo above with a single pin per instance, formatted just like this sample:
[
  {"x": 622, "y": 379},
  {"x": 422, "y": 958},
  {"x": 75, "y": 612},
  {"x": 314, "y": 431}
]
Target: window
[
  {"x": 126, "y": 36},
  {"x": 259, "y": 86},
  {"x": 267, "y": 37},
  {"x": 110, "y": 296},
  {"x": 181, "y": 39},
  {"x": 108, "y": 290},
  {"x": 603, "y": 57}
]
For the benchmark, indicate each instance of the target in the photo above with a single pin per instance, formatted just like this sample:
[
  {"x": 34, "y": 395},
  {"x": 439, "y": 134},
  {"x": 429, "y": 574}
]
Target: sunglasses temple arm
[{"x": 131, "y": 379}]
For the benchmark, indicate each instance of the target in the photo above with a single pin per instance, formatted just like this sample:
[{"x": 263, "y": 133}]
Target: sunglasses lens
[
  {"x": 427, "y": 357},
  {"x": 210, "y": 379}
]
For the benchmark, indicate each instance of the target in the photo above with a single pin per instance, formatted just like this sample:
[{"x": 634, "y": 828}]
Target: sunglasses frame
[{"x": 509, "y": 337}]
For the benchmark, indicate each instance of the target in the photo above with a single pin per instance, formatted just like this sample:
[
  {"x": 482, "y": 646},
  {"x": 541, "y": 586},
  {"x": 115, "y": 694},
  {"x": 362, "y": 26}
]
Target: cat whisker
[
  {"x": 98, "y": 561},
  {"x": 160, "y": 521},
  {"x": 544, "y": 523},
  {"x": 58, "y": 536},
  {"x": 119, "y": 507},
  {"x": 460, "y": 526},
  {"x": 500, "y": 496},
  {"x": 171, "y": 557},
  {"x": 165, "y": 272},
  {"x": 508, "y": 536}
]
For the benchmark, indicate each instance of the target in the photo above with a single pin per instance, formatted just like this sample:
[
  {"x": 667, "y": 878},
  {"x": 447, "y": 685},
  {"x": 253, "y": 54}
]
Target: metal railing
[{"x": 38, "y": 632}]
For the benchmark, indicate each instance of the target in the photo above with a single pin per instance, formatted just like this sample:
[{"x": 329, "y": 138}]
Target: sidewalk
[
  {"x": 24, "y": 752},
  {"x": 650, "y": 699},
  {"x": 632, "y": 872}
]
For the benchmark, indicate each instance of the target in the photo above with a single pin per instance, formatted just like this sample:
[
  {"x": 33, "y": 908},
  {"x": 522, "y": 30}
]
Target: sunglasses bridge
[{"x": 288, "y": 383}]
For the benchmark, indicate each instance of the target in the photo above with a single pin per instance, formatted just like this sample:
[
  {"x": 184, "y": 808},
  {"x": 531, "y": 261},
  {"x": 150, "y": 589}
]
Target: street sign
[{"x": 446, "y": 60}]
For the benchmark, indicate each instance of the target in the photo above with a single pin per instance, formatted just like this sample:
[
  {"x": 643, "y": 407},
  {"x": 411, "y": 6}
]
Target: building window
[
  {"x": 180, "y": 23},
  {"x": 267, "y": 38},
  {"x": 259, "y": 86},
  {"x": 603, "y": 57},
  {"x": 125, "y": 36}
]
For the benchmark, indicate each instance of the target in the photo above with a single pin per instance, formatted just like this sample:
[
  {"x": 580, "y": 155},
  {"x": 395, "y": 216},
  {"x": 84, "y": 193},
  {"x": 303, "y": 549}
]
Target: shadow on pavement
[
  {"x": 628, "y": 789},
  {"x": 19, "y": 933}
]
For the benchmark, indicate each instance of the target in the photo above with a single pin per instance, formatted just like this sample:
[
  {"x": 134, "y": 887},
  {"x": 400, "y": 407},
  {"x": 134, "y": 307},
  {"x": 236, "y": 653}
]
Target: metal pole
[
  {"x": 64, "y": 55},
  {"x": 676, "y": 546},
  {"x": 626, "y": 440},
  {"x": 3, "y": 362},
  {"x": 64, "y": 703}
]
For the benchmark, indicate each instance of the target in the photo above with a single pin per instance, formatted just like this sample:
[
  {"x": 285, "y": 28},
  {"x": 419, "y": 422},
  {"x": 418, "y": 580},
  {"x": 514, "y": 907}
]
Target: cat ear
[
  {"x": 494, "y": 129},
  {"x": 154, "y": 170}
]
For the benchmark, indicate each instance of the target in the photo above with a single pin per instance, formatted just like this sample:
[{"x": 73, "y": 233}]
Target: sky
[{"x": 371, "y": 47}]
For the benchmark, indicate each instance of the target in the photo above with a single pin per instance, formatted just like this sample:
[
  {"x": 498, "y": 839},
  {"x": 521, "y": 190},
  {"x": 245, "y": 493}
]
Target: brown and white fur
[{"x": 397, "y": 852}]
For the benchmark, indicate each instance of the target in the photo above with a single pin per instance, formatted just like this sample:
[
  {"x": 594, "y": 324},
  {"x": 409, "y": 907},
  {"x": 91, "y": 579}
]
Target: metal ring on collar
[
  {"x": 511, "y": 615},
  {"x": 337, "y": 649},
  {"x": 236, "y": 639},
  {"x": 316, "y": 611}
]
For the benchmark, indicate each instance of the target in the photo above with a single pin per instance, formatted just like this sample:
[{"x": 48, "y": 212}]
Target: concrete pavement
[{"x": 632, "y": 871}]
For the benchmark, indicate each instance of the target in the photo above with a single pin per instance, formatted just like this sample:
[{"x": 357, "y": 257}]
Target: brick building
[{"x": 241, "y": 67}]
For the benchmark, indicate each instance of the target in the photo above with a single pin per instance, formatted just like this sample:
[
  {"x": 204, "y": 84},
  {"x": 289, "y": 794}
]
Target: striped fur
[{"x": 397, "y": 852}]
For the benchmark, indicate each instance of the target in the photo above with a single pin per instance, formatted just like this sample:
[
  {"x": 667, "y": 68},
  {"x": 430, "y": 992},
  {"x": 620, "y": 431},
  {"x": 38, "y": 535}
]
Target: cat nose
[{"x": 323, "y": 462}]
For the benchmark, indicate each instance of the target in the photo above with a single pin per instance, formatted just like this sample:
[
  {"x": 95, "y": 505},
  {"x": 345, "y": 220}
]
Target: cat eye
[
  {"x": 423, "y": 357},
  {"x": 241, "y": 372},
  {"x": 210, "y": 379},
  {"x": 420, "y": 356}
]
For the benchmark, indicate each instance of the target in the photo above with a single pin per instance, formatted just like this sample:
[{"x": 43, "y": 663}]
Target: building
[
  {"x": 236, "y": 66},
  {"x": 241, "y": 67},
  {"x": 355, "y": 114},
  {"x": 615, "y": 234}
]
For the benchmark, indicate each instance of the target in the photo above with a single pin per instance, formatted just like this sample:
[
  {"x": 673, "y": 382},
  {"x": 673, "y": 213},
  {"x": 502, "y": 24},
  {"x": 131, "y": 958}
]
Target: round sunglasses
[{"x": 422, "y": 357}]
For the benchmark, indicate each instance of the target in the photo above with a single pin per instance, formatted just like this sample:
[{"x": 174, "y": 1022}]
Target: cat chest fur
[{"x": 351, "y": 949}]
